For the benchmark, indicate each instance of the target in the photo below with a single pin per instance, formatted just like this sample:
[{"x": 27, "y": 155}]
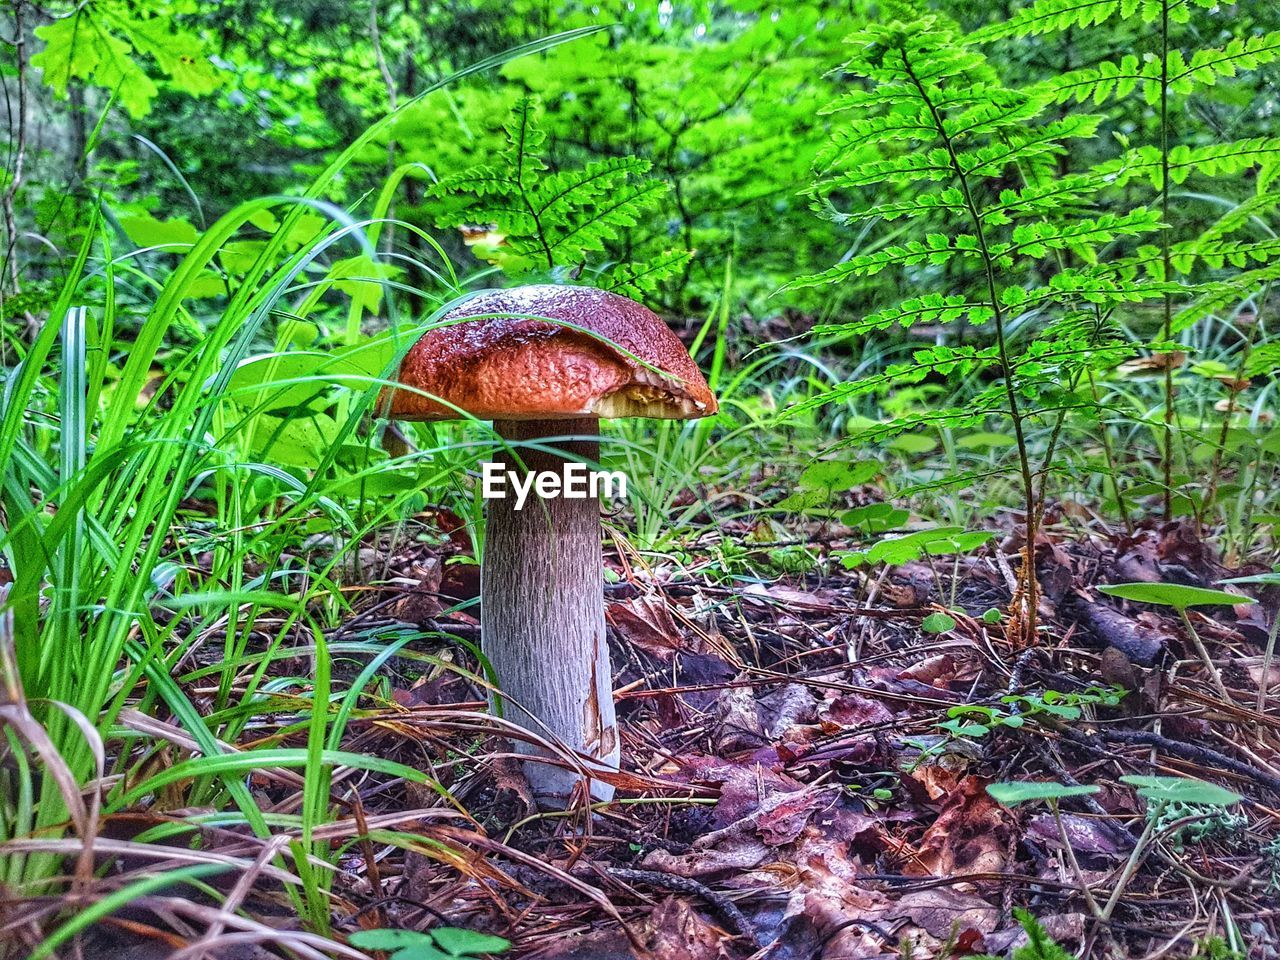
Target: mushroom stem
[{"x": 542, "y": 613}]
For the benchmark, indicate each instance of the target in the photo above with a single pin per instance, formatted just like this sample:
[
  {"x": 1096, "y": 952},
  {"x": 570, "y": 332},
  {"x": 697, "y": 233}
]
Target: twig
[{"x": 722, "y": 904}]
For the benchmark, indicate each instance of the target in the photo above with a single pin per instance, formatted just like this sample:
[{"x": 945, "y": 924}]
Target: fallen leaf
[
  {"x": 971, "y": 835},
  {"x": 646, "y": 623},
  {"x": 852, "y": 710},
  {"x": 942, "y": 670},
  {"x": 675, "y": 931},
  {"x": 942, "y": 911},
  {"x": 788, "y": 706}
]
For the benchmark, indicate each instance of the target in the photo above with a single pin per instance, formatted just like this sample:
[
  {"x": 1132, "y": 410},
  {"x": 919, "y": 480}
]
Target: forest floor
[{"x": 808, "y": 766}]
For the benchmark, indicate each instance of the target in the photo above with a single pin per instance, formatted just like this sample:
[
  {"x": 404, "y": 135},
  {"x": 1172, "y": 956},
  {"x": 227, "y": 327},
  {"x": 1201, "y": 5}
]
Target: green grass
[{"x": 153, "y": 536}]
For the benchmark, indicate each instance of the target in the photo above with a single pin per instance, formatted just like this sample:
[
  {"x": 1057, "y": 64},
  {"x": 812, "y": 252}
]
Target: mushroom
[{"x": 595, "y": 355}]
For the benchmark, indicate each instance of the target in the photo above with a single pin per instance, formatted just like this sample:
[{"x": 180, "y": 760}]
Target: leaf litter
[{"x": 805, "y": 768}]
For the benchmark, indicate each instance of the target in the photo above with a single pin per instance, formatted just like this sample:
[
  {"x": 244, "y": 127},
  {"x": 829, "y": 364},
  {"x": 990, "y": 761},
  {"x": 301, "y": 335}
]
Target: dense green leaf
[{"x": 1175, "y": 595}]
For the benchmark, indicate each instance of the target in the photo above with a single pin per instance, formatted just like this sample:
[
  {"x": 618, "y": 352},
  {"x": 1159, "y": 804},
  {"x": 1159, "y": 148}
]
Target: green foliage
[
  {"x": 1039, "y": 945},
  {"x": 974, "y": 720},
  {"x": 547, "y": 220},
  {"x": 937, "y": 623},
  {"x": 1172, "y": 595},
  {"x": 1007, "y": 208},
  {"x": 1164, "y": 790},
  {"x": 1025, "y": 791},
  {"x": 895, "y": 551},
  {"x": 106, "y": 43},
  {"x": 442, "y": 943}
]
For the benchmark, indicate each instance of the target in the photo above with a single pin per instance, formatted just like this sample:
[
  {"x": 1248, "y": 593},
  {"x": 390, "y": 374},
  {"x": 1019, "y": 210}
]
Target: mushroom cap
[{"x": 504, "y": 367}]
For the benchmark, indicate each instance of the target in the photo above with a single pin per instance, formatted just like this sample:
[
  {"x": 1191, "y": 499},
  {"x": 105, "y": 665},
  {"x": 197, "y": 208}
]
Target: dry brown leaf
[
  {"x": 854, "y": 711},
  {"x": 944, "y": 910},
  {"x": 1153, "y": 364},
  {"x": 646, "y": 623},
  {"x": 826, "y": 893},
  {"x": 675, "y": 931},
  {"x": 971, "y": 835}
]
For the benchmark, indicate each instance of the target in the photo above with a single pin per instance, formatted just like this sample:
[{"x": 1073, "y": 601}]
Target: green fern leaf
[
  {"x": 936, "y": 249},
  {"x": 644, "y": 278},
  {"x": 950, "y": 200},
  {"x": 931, "y": 308},
  {"x": 1208, "y": 66},
  {"x": 1050, "y": 16},
  {"x": 1217, "y": 159},
  {"x": 552, "y": 219},
  {"x": 1100, "y": 83},
  {"x": 990, "y": 161}
]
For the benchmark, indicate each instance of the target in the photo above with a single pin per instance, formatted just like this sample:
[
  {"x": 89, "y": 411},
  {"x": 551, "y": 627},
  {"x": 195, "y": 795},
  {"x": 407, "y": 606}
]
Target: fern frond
[
  {"x": 524, "y": 138},
  {"x": 1112, "y": 80},
  {"x": 1101, "y": 82},
  {"x": 1243, "y": 213},
  {"x": 1210, "y": 65},
  {"x": 622, "y": 209},
  {"x": 554, "y": 195},
  {"x": 551, "y": 219},
  {"x": 1046, "y": 139},
  {"x": 931, "y": 308},
  {"x": 1263, "y": 361},
  {"x": 1102, "y": 285},
  {"x": 921, "y": 53},
  {"x": 1070, "y": 192},
  {"x": 864, "y": 132},
  {"x": 1050, "y": 16},
  {"x": 1036, "y": 239},
  {"x": 1217, "y": 159},
  {"x": 643, "y": 278},
  {"x": 1224, "y": 295},
  {"x": 908, "y": 168},
  {"x": 1217, "y": 253},
  {"x": 936, "y": 248},
  {"x": 994, "y": 113},
  {"x": 950, "y": 200},
  {"x": 933, "y": 361}
]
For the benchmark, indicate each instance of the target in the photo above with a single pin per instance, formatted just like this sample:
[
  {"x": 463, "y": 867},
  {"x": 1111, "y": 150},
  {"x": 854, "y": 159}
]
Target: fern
[
  {"x": 1039, "y": 945},
  {"x": 1158, "y": 77},
  {"x": 1115, "y": 80},
  {"x": 1055, "y": 16},
  {"x": 934, "y": 122},
  {"x": 559, "y": 219}
]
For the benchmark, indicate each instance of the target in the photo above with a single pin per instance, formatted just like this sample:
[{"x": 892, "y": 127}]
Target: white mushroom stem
[{"x": 542, "y": 613}]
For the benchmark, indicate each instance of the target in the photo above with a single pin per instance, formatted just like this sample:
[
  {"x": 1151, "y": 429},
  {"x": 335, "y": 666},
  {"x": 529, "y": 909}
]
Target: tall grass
[{"x": 124, "y": 589}]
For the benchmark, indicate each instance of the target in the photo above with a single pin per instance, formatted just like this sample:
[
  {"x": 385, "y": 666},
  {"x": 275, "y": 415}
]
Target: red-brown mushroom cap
[{"x": 505, "y": 367}]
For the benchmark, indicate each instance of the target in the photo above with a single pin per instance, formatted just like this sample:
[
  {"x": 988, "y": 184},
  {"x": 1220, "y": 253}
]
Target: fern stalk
[
  {"x": 1006, "y": 366},
  {"x": 1165, "y": 258}
]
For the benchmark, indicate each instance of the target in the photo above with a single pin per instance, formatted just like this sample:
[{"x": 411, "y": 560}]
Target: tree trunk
[{"x": 542, "y": 613}]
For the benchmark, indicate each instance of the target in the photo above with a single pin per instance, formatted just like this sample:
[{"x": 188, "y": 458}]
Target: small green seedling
[
  {"x": 1181, "y": 598},
  {"x": 937, "y": 623},
  {"x": 1025, "y": 791},
  {"x": 1162, "y": 790},
  {"x": 895, "y": 551},
  {"x": 975, "y": 720},
  {"x": 443, "y": 943}
]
